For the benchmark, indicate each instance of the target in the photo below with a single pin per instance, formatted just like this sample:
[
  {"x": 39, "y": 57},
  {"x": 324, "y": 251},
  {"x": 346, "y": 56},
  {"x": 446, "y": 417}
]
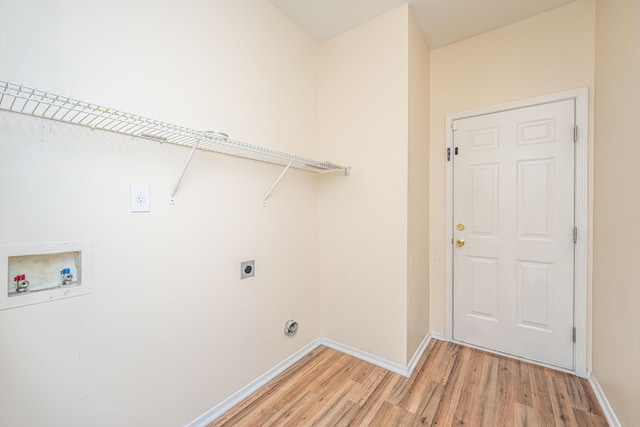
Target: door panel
[
  {"x": 514, "y": 195},
  {"x": 535, "y": 201},
  {"x": 484, "y": 287},
  {"x": 484, "y": 199},
  {"x": 532, "y": 295}
]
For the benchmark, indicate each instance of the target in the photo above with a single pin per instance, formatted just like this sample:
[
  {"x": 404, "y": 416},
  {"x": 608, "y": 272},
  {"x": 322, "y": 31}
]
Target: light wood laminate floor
[{"x": 452, "y": 385}]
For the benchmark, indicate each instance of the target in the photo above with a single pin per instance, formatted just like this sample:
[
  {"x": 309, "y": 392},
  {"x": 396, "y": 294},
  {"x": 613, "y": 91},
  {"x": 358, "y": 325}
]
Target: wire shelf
[{"x": 33, "y": 102}]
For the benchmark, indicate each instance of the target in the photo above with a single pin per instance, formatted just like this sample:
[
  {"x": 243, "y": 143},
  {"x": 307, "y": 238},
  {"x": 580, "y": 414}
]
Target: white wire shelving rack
[{"x": 21, "y": 99}]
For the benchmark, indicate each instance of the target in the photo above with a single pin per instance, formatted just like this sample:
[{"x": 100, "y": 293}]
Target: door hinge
[
  {"x": 575, "y": 234},
  {"x": 575, "y": 133},
  {"x": 574, "y": 334},
  {"x": 448, "y": 154},
  {"x": 454, "y": 126}
]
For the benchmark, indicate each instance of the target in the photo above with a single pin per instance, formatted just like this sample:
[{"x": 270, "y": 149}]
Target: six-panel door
[{"x": 514, "y": 209}]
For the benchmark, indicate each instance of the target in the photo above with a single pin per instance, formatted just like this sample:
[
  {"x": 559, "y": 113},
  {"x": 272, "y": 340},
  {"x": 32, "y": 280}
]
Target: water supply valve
[
  {"x": 66, "y": 276},
  {"x": 21, "y": 283}
]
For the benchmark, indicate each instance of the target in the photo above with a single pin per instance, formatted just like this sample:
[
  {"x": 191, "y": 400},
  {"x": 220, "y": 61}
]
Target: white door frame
[{"x": 581, "y": 177}]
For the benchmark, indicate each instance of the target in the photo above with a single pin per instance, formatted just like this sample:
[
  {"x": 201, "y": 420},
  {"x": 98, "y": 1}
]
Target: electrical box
[{"x": 44, "y": 272}]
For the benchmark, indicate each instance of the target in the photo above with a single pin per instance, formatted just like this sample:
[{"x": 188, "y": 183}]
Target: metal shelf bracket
[
  {"x": 214, "y": 134},
  {"x": 172, "y": 198},
  {"x": 275, "y": 184}
]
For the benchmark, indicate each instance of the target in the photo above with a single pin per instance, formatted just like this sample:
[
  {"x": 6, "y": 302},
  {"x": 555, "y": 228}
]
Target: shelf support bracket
[
  {"x": 275, "y": 184},
  {"x": 172, "y": 199}
]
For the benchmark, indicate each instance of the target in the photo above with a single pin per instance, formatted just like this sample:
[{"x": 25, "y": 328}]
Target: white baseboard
[
  {"x": 363, "y": 355},
  {"x": 437, "y": 336},
  {"x": 254, "y": 385},
  {"x": 418, "y": 354},
  {"x": 611, "y": 417},
  {"x": 244, "y": 392},
  {"x": 379, "y": 361}
]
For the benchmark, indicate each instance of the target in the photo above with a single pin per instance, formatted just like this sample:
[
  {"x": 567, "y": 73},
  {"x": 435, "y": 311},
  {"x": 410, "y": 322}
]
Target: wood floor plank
[
  {"x": 403, "y": 392},
  {"x": 464, "y": 411},
  {"x": 333, "y": 408},
  {"x": 591, "y": 401},
  {"x": 525, "y": 416},
  {"x": 506, "y": 392},
  {"x": 588, "y": 419},
  {"x": 452, "y": 385},
  {"x": 485, "y": 404},
  {"x": 392, "y": 415},
  {"x": 437, "y": 384},
  {"x": 560, "y": 401},
  {"x": 274, "y": 396},
  {"x": 524, "y": 392},
  {"x": 582, "y": 396},
  {"x": 540, "y": 395},
  {"x": 371, "y": 385},
  {"x": 377, "y": 398},
  {"x": 330, "y": 373},
  {"x": 290, "y": 415},
  {"x": 447, "y": 409},
  {"x": 432, "y": 367}
]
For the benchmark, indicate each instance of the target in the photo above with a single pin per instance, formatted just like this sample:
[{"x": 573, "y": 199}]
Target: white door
[{"x": 513, "y": 218}]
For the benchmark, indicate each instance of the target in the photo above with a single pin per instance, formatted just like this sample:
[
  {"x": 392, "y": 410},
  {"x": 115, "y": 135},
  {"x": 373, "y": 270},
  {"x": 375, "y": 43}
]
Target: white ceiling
[{"x": 441, "y": 21}]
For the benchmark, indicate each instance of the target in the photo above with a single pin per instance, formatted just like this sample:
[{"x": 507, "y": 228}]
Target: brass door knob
[{"x": 460, "y": 242}]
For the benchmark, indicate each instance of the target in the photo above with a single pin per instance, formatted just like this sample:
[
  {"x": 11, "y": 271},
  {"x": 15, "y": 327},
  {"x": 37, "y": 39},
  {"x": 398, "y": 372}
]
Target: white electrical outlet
[{"x": 140, "y": 198}]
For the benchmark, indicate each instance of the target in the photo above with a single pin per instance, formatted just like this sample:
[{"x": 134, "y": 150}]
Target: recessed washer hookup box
[{"x": 43, "y": 272}]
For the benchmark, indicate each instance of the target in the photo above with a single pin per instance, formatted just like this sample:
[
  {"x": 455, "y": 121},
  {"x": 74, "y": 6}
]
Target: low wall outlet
[{"x": 140, "y": 198}]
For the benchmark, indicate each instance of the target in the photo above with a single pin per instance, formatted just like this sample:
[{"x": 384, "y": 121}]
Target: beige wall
[
  {"x": 418, "y": 197},
  {"x": 366, "y": 258},
  {"x": 616, "y": 292},
  {"x": 363, "y": 217},
  {"x": 550, "y": 52},
  {"x": 169, "y": 330}
]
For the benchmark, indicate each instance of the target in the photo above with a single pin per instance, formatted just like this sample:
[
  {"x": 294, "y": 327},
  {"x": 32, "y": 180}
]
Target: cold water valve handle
[{"x": 66, "y": 276}]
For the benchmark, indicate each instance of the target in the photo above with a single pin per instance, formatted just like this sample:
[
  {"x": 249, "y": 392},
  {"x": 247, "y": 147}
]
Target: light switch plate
[{"x": 140, "y": 198}]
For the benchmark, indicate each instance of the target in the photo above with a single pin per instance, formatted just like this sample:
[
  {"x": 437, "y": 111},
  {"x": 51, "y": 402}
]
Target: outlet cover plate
[
  {"x": 140, "y": 198},
  {"x": 247, "y": 269}
]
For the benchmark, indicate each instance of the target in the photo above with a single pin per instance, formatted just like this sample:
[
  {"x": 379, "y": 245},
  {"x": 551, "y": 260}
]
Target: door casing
[{"x": 581, "y": 181}]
